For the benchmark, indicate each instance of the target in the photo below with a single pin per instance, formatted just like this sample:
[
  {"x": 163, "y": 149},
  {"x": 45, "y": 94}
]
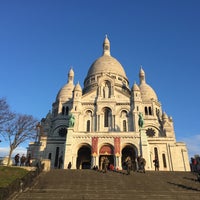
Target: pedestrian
[
  {"x": 105, "y": 164},
  {"x": 28, "y": 161},
  {"x": 128, "y": 165},
  {"x": 22, "y": 160},
  {"x": 156, "y": 164},
  {"x": 69, "y": 165},
  {"x": 60, "y": 162},
  {"x": 141, "y": 164},
  {"x": 17, "y": 160}
]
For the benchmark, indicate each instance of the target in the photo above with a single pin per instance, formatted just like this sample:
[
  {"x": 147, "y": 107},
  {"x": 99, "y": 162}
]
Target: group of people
[
  {"x": 195, "y": 164},
  {"x": 140, "y": 165},
  {"x": 23, "y": 160}
]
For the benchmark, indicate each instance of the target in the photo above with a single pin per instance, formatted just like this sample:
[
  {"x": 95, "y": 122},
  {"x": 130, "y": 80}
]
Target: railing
[{"x": 20, "y": 184}]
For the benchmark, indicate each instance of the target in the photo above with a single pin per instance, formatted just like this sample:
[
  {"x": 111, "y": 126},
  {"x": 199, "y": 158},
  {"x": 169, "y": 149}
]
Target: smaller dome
[
  {"x": 164, "y": 116},
  {"x": 65, "y": 92},
  {"x": 77, "y": 87},
  {"x": 147, "y": 93},
  {"x": 135, "y": 87}
]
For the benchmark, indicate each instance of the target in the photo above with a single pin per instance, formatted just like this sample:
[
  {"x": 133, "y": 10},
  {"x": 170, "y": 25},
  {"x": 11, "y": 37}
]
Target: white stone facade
[{"x": 106, "y": 122}]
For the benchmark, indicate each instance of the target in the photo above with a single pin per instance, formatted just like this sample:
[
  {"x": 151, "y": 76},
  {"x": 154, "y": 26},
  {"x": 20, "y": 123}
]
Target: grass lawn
[{"x": 9, "y": 174}]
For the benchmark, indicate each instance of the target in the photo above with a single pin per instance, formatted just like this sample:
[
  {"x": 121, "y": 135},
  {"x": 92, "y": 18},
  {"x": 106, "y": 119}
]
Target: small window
[
  {"x": 49, "y": 157},
  {"x": 63, "y": 110},
  {"x": 150, "y": 111},
  {"x": 156, "y": 152},
  {"x": 146, "y": 110},
  {"x": 88, "y": 125},
  {"x": 164, "y": 160},
  {"x": 124, "y": 126},
  {"x": 120, "y": 79},
  {"x": 67, "y": 110},
  {"x": 106, "y": 115}
]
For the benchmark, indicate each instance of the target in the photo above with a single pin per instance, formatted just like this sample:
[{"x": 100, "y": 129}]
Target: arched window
[
  {"x": 124, "y": 126},
  {"x": 106, "y": 117},
  {"x": 156, "y": 152},
  {"x": 63, "y": 110},
  {"x": 67, "y": 110},
  {"x": 150, "y": 111},
  {"x": 88, "y": 125},
  {"x": 146, "y": 110},
  {"x": 49, "y": 157},
  {"x": 164, "y": 160}
]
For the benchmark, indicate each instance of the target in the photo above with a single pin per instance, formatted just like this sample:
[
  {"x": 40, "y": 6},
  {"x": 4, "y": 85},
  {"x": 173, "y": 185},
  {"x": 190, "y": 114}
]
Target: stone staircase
[{"x": 95, "y": 185}]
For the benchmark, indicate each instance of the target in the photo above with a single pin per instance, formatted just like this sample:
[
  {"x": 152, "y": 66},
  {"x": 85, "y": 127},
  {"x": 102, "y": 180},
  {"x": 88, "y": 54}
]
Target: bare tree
[
  {"x": 5, "y": 114},
  {"x": 18, "y": 130}
]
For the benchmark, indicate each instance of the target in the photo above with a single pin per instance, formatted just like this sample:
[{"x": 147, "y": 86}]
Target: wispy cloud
[
  {"x": 4, "y": 151},
  {"x": 193, "y": 144}
]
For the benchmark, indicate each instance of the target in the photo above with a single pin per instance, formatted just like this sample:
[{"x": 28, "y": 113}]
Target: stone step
[{"x": 89, "y": 184}]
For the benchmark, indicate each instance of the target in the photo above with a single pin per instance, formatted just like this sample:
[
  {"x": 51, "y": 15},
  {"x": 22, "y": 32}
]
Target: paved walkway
[{"x": 94, "y": 185}]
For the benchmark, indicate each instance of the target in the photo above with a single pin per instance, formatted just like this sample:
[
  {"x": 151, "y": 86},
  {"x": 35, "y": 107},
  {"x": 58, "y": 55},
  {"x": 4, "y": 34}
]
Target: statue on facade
[
  {"x": 140, "y": 120},
  {"x": 71, "y": 120}
]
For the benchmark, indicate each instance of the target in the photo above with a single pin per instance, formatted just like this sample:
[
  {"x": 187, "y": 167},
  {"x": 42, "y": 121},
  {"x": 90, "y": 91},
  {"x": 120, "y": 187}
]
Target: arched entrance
[
  {"x": 129, "y": 151},
  {"x": 106, "y": 151},
  {"x": 84, "y": 158}
]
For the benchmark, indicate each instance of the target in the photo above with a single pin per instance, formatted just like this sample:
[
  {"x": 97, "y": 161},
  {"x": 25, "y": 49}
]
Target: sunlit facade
[{"x": 106, "y": 114}]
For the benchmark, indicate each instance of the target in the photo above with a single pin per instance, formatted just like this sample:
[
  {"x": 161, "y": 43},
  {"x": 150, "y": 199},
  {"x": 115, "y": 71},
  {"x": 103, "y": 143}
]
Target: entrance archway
[
  {"x": 84, "y": 158},
  {"x": 129, "y": 151},
  {"x": 106, "y": 151}
]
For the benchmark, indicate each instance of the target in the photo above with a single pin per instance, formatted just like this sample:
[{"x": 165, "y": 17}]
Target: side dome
[
  {"x": 106, "y": 64},
  {"x": 66, "y": 92},
  {"x": 147, "y": 93}
]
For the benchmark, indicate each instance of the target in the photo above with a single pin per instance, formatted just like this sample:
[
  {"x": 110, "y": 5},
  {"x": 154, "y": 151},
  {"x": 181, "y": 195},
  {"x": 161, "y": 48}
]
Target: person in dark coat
[
  {"x": 105, "y": 164},
  {"x": 128, "y": 165},
  {"x": 156, "y": 164},
  {"x": 69, "y": 165},
  {"x": 17, "y": 160}
]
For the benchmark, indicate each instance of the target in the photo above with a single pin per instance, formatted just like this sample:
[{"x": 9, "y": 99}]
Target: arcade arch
[
  {"x": 84, "y": 157},
  {"x": 107, "y": 150},
  {"x": 129, "y": 150}
]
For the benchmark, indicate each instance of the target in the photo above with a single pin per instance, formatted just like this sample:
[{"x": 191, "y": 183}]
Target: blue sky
[{"x": 41, "y": 39}]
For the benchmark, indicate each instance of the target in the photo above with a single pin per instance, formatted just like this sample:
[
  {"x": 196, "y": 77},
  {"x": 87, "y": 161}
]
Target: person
[
  {"x": 17, "y": 160},
  {"x": 128, "y": 165},
  {"x": 141, "y": 164},
  {"x": 22, "y": 160},
  {"x": 69, "y": 165},
  {"x": 60, "y": 162},
  {"x": 156, "y": 164},
  {"x": 111, "y": 167},
  {"x": 28, "y": 161},
  {"x": 105, "y": 164}
]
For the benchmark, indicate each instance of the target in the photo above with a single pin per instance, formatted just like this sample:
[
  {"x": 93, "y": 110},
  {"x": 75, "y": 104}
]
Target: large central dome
[{"x": 106, "y": 63}]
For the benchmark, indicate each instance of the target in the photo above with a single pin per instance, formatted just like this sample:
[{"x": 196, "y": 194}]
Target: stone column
[
  {"x": 68, "y": 157},
  {"x": 117, "y": 162},
  {"x": 94, "y": 161},
  {"x": 144, "y": 148}
]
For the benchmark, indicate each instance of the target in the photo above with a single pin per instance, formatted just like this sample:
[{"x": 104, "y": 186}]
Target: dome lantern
[{"x": 106, "y": 46}]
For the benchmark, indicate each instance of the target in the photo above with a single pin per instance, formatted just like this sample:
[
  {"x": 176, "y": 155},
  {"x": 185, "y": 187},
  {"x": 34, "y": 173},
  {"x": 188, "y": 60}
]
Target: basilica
[{"x": 106, "y": 124}]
